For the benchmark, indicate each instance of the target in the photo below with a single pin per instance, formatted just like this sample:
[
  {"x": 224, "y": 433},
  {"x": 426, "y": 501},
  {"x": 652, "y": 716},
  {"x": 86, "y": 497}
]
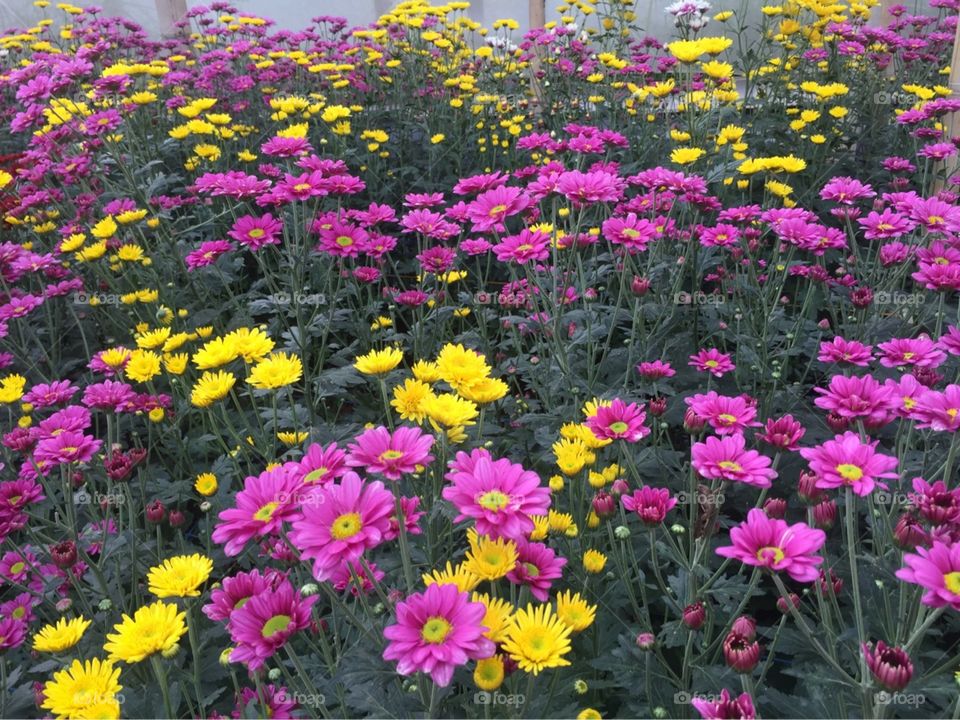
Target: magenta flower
[
  {"x": 266, "y": 621},
  {"x": 727, "y": 415},
  {"x": 938, "y": 410},
  {"x": 712, "y": 361},
  {"x": 340, "y": 521},
  {"x": 591, "y": 187},
  {"x": 391, "y": 454},
  {"x": 12, "y": 633},
  {"x": 347, "y": 574},
  {"x": 728, "y": 459},
  {"x": 20, "y": 306},
  {"x": 108, "y": 395},
  {"x": 47, "y": 394},
  {"x": 67, "y": 447},
  {"x": 619, "y": 421},
  {"x": 207, "y": 253},
  {"x": 905, "y": 394},
  {"x": 885, "y": 225},
  {"x": 936, "y": 569},
  {"x": 726, "y": 708},
  {"x": 919, "y": 352},
  {"x": 766, "y": 542},
  {"x": 856, "y": 397},
  {"x": 650, "y": 504},
  {"x": 491, "y": 208},
  {"x": 256, "y": 232},
  {"x": 537, "y": 567},
  {"x": 528, "y": 246},
  {"x": 260, "y": 509},
  {"x": 278, "y": 702},
  {"x": 321, "y": 465},
  {"x": 783, "y": 433},
  {"x": 342, "y": 239},
  {"x": 846, "y": 190},
  {"x": 845, "y": 461},
  {"x": 950, "y": 340},
  {"x": 236, "y": 590},
  {"x": 851, "y": 352},
  {"x": 655, "y": 370},
  {"x": 934, "y": 501},
  {"x": 631, "y": 232},
  {"x": 436, "y": 632}
]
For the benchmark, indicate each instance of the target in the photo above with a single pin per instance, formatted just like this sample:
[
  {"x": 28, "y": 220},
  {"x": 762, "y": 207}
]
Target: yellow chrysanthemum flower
[
  {"x": 143, "y": 365},
  {"x": 251, "y": 344},
  {"x": 426, "y": 371},
  {"x": 488, "y": 675},
  {"x": 461, "y": 367},
  {"x": 216, "y": 353},
  {"x": 276, "y": 371},
  {"x": 211, "y": 386},
  {"x": 379, "y": 362},
  {"x": 62, "y": 636},
  {"x": 179, "y": 576},
  {"x": 575, "y": 612},
  {"x": 447, "y": 411},
  {"x": 408, "y": 399},
  {"x": 84, "y": 690},
  {"x": 537, "y": 639},
  {"x": 153, "y": 628},
  {"x": 594, "y": 561},
  {"x": 11, "y": 388},
  {"x": 490, "y": 559},
  {"x": 498, "y": 617},
  {"x": 485, "y": 390},
  {"x": 206, "y": 484},
  {"x": 459, "y": 576}
]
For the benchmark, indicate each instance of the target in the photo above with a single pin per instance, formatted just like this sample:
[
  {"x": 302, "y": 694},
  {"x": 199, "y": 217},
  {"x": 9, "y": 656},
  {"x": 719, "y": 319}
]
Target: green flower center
[
  {"x": 493, "y": 500},
  {"x": 435, "y": 630},
  {"x": 276, "y": 624},
  {"x": 265, "y": 513},
  {"x": 619, "y": 427}
]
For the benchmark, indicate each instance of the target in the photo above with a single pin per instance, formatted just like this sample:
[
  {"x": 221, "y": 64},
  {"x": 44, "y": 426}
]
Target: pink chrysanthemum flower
[
  {"x": 950, "y": 340},
  {"x": 726, "y": 708},
  {"x": 846, "y": 190},
  {"x": 12, "y": 633},
  {"x": 905, "y": 393},
  {"x": 437, "y": 631},
  {"x": 784, "y": 433},
  {"x": 856, "y": 397},
  {"x": 16, "y": 565},
  {"x": 650, "y": 504},
  {"x": 207, "y": 253},
  {"x": 236, "y": 590},
  {"x": 631, "y": 232},
  {"x": 619, "y": 421},
  {"x": 537, "y": 567},
  {"x": 489, "y": 210},
  {"x": 391, "y": 454},
  {"x": 265, "y": 622},
  {"x": 528, "y": 246},
  {"x": 845, "y": 461},
  {"x": 919, "y": 352},
  {"x": 72, "y": 418},
  {"x": 655, "y": 370},
  {"x": 410, "y": 516},
  {"x": 340, "y": 521},
  {"x": 591, "y": 187},
  {"x": 712, "y": 361},
  {"x": 47, "y": 394},
  {"x": 499, "y": 495},
  {"x": 726, "y": 415},
  {"x": 321, "y": 465},
  {"x": 265, "y": 502},
  {"x": 851, "y": 352},
  {"x": 727, "y": 458},
  {"x": 342, "y": 239},
  {"x": 108, "y": 395},
  {"x": 938, "y": 410},
  {"x": 67, "y": 447},
  {"x": 938, "y": 570},
  {"x": 935, "y": 502},
  {"x": 763, "y": 541},
  {"x": 256, "y": 232},
  {"x": 346, "y": 575},
  {"x": 20, "y": 608}
]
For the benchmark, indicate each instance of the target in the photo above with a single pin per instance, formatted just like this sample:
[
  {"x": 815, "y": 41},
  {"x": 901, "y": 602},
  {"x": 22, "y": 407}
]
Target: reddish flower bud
[
  {"x": 746, "y": 626},
  {"x": 692, "y": 422},
  {"x": 807, "y": 488},
  {"x": 64, "y": 554},
  {"x": 694, "y": 615},
  {"x": 825, "y": 514},
  {"x": 837, "y": 423},
  {"x": 176, "y": 518},
  {"x": 927, "y": 377},
  {"x": 890, "y": 666},
  {"x": 775, "y": 508},
  {"x": 833, "y": 584},
  {"x": 862, "y": 297},
  {"x": 639, "y": 286},
  {"x": 785, "y": 607},
  {"x": 156, "y": 512},
  {"x": 619, "y": 487},
  {"x": 646, "y": 641},
  {"x": 741, "y": 653},
  {"x": 657, "y": 406},
  {"x": 909, "y": 533}
]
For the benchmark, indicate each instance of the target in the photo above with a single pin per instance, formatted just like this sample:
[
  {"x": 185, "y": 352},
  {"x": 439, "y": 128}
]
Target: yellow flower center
[
  {"x": 497, "y": 209},
  {"x": 537, "y": 645},
  {"x": 265, "y": 513},
  {"x": 525, "y": 247},
  {"x": 631, "y": 233},
  {"x": 344, "y": 241},
  {"x": 730, "y": 465},
  {"x": 727, "y": 418},
  {"x": 15, "y": 499},
  {"x": 850, "y": 473},
  {"x": 493, "y": 500},
  {"x": 711, "y": 363},
  {"x": 768, "y": 553},
  {"x": 301, "y": 187},
  {"x": 19, "y": 612},
  {"x": 346, "y": 526},
  {"x": 908, "y": 355},
  {"x": 314, "y": 475},
  {"x": 435, "y": 630},
  {"x": 952, "y": 412},
  {"x": 619, "y": 427},
  {"x": 256, "y": 233},
  {"x": 532, "y": 570},
  {"x": 388, "y": 455},
  {"x": 276, "y": 624},
  {"x": 952, "y": 582},
  {"x": 17, "y": 568}
]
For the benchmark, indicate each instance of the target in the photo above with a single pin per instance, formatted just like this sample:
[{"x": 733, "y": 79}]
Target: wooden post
[
  {"x": 169, "y": 13},
  {"x": 880, "y": 15}
]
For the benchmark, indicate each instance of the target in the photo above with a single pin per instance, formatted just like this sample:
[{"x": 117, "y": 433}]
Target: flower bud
[
  {"x": 807, "y": 488},
  {"x": 646, "y": 641},
  {"x": 746, "y": 626},
  {"x": 741, "y": 653},
  {"x": 890, "y": 666},
  {"x": 786, "y": 607},
  {"x": 775, "y": 508},
  {"x": 176, "y": 518},
  {"x": 658, "y": 406},
  {"x": 908, "y": 532},
  {"x": 156, "y": 512},
  {"x": 622, "y": 532},
  {"x": 619, "y": 487},
  {"x": 64, "y": 554},
  {"x": 694, "y": 615},
  {"x": 639, "y": 286},
  {"x": 825, "y": 514},
  {"x": 692, "y": 422},
  {"x": 603, "y": 504}
]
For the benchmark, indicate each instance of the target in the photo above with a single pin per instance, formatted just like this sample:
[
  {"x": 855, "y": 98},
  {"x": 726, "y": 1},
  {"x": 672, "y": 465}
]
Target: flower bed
[{"x": 432, "y": 369}]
